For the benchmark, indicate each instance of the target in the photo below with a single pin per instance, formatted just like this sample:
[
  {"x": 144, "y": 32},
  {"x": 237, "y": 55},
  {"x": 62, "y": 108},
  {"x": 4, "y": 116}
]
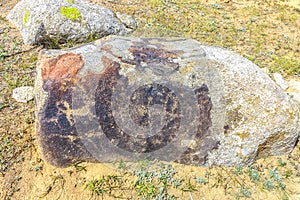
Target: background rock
[
  {"x": 45, "y": 21},
  {"x": 23, "y": 94},
  {"x": 239, "y": 115}
]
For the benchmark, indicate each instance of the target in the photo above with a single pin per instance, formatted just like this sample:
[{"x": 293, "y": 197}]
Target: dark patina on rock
[
  {"x": 56, "y": 130},
  {"x": 156, "y": 98}
]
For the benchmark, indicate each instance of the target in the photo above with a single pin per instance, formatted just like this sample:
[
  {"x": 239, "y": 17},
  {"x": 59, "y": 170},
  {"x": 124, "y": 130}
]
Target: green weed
[
  {"x": 78, "y": 167},
  {"x": 285, "y": 65},
  {"x": 156, "y": 184},
  {"x": 281, "y": 162},
  {"x": 243, "y": 193},
  {"x": 238, "y": 170},
  {"x": 189, "y": 187},
  {"x": 201, "y": 180},
  {"x": 253, "y": 174},
  {"x": 269, "y": 185},
  {"x": 109, "y": 185}
]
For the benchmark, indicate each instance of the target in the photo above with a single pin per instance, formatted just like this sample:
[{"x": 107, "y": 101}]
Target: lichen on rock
[
  {"x": 26, "y": 16},
  {"x": 45, "y": 21},
  {"x": 70, "y": 13}
]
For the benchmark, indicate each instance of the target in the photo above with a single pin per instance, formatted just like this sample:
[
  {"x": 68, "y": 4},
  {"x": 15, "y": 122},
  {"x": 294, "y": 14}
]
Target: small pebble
[{"x": 23, "y": 94}]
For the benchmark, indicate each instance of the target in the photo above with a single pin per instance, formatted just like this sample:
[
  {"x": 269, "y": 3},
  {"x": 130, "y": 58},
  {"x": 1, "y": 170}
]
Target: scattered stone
[
  {"x": 169, "y": 99},
  {"x": 280, "y": 81},
  {"x": 48, "y": 21},
  {"x": 23, "y": 94}
]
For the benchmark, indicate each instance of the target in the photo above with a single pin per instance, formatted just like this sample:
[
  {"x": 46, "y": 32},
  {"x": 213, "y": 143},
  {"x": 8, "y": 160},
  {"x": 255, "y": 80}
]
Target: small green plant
[
  {"x": 189, "y": 187},
  {"x": 207, "y": 174},
  {"x": 216, "y": 6},
  {"x": 293, "y": 163},
  {"x": 156, "y": 184},
  {"x": 253, "y": 174},
  {"x": 70, "y": 13},
  {"x": 269, "y": 185},
  {"x": 275, "y": 175},
  {"x": 285, "y": 65},
  {"x": 238, "y": 170},
  {"x": 281, "y": 162},
  {"x": 243, "y": 193},
  {"x": 96, "y": 186},
  {"x": 201, "y": 180},
  {"x": 79, "y": 167},
  {"x": 26, "y": 16},
  {"x": 288, "y": 173},
  {"x": 122, "y": 165},
  {"x": 29, "y": 120},
  {"x": 106, "y": 185},
  {"x": 145, "y": 185},
  {"x": 52, "y": 43},
  {"x": 2, "y": 54},
  {"x": 177, "y": 183}
]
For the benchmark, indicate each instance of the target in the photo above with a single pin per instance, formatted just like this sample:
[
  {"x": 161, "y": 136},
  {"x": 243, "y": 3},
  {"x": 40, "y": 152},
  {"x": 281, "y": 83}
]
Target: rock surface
[
  {"x": 294, "y": 89},
  {"x": 280, "y": 81},
  {"x": 46, "y": 21},
  {"x": 170, "y": 99},
  {"x": 23, "y": 94}
]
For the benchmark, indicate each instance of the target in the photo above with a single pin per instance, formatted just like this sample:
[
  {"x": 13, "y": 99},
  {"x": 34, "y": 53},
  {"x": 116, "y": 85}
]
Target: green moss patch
[{"x": 70, "y": 13}]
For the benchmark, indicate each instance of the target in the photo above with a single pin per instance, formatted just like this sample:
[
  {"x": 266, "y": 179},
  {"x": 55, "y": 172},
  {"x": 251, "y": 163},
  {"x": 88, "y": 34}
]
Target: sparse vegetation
[{"x": 110, "y": 185}]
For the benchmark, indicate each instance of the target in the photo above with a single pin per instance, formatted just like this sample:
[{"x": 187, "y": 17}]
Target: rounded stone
[{"x": 160, "y": 98}]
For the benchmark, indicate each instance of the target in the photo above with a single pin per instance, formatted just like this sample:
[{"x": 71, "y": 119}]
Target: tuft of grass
[
  {"x": 156, "y": 184},
  {"x": 188, "y": 187},
  {"x": 285, "y": 65},
  {"x": 2, "y": 54},
  {"x": 78, "y": 167},
  {"x": 281, "y": 162},
  {"x": 109, "y": 185}
]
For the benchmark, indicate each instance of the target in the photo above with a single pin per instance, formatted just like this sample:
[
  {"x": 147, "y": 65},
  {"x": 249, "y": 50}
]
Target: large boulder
[
  {"x": 168, "y": 99},
  {"x": 48, "y": 21}
]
